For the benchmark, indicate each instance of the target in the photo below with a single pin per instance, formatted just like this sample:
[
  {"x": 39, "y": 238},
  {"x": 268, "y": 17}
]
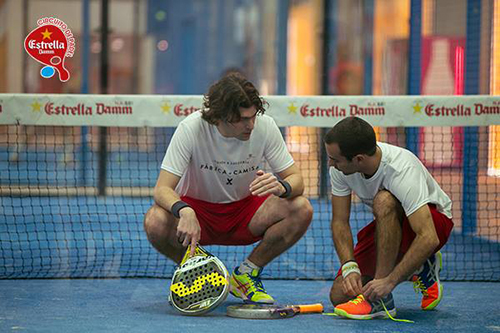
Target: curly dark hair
[
  {"x": 354, "y": 136},
  {"x": 226, "y": 96}
]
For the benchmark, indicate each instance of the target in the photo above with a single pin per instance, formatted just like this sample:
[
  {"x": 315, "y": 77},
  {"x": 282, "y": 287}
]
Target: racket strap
[{"x": 199, "y": 251}]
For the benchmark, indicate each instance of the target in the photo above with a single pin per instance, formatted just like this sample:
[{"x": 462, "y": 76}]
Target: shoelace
[
  {"x": 419, "y": 287},
  {"x": 395, "y": 319},
  {"x": 256, "y": 284},
  {"x": 357, "y": 300}
]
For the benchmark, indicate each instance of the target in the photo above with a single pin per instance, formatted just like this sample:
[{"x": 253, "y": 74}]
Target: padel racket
[
  {"x": 261, "y": 311},
  {"x": 199, "y": 284}
]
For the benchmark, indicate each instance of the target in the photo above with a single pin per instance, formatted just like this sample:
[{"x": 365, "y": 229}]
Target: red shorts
[
  {"x": 226, "y": 223},
  {"x": 365, "y": 251}
]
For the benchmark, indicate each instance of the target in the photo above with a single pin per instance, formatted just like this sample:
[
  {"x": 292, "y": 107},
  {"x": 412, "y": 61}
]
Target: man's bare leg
[
  {"x": 388, "y": 214},
  {"x": 282, "y": 223},
  {"x": 161, "y": 229}
]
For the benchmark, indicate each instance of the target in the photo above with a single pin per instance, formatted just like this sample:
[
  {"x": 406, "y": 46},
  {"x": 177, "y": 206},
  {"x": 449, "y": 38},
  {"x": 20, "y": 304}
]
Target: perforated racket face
[{"x": 199, "y": 285}]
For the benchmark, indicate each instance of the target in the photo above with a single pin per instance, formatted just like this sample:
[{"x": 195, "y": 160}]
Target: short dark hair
[
  {"x": 354, "y": 136},
  {"x": 226, "y": 96},
  {"x": 233, "y": 70}
]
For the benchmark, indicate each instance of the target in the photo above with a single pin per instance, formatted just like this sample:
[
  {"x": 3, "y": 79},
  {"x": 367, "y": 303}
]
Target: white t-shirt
[
  {"x": 401, "y": 173},
  {"x": 218, "y": 169}
]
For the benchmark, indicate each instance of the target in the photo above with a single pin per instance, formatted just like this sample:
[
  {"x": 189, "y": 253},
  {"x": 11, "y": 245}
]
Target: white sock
[{"x": 247, "y": 266}]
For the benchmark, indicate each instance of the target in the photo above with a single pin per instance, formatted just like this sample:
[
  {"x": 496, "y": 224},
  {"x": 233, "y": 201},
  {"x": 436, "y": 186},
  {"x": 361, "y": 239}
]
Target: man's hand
[
  {"x": 188, "y": 230},
  {"x": 265, "y": 184},
  {"x": 378, "y": 288},
  {"x": 352, "y": 285}
]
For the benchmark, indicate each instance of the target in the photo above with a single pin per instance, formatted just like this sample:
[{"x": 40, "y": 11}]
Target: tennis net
[{"x": 78, "y": 172}]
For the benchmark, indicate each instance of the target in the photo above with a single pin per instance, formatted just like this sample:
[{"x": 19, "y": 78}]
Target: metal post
[
  {"x": 471, "y": 134},
  {"x": 103, "y": 133},
  {"x": 25, "y": 56},
  {"x": 368, "y": 49},
  {"x": 414, "y": 67},
  {"x": 84, "y": 89},
  {"x": 329, "y": 61},
  {"x": 282, "y": 41}
]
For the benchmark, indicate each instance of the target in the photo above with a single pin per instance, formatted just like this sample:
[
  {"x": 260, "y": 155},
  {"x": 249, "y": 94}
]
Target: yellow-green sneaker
[{"x": 248, "y": 287}]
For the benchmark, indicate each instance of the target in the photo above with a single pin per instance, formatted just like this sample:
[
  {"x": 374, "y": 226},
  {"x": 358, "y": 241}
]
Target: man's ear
[{"x": 360, "y": 158}]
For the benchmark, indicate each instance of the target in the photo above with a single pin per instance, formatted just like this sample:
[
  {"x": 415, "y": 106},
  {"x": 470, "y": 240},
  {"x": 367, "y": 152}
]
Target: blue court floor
[{"x": 140, "y": 305}]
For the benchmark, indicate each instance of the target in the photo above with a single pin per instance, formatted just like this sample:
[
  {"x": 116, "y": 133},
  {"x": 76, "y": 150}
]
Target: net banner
[{"x": 311, "y": 111}]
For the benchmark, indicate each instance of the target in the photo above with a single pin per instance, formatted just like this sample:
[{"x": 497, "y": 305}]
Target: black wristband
[
  {"x": 288, "y": 188},
  {"x": 350, "y": 260},
  {"x": 176, "y": 207}
]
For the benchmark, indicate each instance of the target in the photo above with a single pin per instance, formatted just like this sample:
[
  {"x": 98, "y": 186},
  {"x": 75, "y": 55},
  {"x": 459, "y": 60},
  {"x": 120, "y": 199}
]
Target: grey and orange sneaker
[{"x": 361, "y": 308}]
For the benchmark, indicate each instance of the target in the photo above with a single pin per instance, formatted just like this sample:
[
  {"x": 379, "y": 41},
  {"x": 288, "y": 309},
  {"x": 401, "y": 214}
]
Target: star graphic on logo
[
  {"x": 36, "y": 106},
  {"x": 165, "y": 107},
  {"x": 292, "y": 108},
  {"x": 417, "y": 108},
  {"x": 46, "y": 34}
]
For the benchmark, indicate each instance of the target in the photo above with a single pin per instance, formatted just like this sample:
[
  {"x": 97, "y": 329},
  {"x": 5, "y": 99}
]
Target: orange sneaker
[
  {"x": 426, "y": 281},
  {"x": 360, "y": 308}
]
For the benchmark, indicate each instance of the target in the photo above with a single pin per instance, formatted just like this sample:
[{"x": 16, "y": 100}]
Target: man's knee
[
  {"x": 385, "y": 203},
  {"x": 156, "y": 221},
  {"x": 302, "y": 210},
  {"x": 336, "y": 294}
]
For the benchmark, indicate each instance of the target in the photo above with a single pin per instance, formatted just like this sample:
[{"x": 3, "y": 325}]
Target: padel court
[
  {"x": 75, "y": 181},
  {"x": 109, "y": 243},
  {"x": 140, "y": 305},
  {"x": 74, "y": 260}
]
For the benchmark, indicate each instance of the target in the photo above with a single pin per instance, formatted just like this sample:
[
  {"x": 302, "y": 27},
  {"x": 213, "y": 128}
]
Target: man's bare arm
[
  {"x": 188, "y": 230},
  {"x": 344, "y": 244},
  {"x": 164, "y": 192},
  {"x": 294, "y": 177},
  {"x": 341, "y": 229},
  {"x": 422, "y": 247},
  {"x": 267, "y": 183}
]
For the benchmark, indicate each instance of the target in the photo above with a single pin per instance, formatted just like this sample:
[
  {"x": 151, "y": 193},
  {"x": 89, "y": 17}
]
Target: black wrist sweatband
[
  {"x": 288, "y": 188},
  {"x": 353, "y": 260},
  {"x": 176, "y": 207}
]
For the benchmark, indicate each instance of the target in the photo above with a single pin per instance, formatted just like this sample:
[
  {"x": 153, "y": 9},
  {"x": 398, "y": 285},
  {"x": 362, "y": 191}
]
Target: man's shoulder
[
  {"x": 194, "y": 121},
  {"x": 390, "y": 146},
  {"x": 395, "y": 153},
  {"x": 264, "y": 127},
  {"x": 266, "y": 120},
  {"x": 398, "y": 160},
  {"x": 192, "y": 118},
  {"x": 339, "y": 175}
]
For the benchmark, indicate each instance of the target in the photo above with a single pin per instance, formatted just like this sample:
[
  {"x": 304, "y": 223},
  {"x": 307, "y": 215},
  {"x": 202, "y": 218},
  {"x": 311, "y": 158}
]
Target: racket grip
[{"x": 311, "y": 308}]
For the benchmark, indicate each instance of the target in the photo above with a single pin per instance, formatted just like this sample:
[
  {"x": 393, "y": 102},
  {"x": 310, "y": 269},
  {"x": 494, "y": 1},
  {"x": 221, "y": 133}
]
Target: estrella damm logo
[{"x": 50, "y": 44}]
